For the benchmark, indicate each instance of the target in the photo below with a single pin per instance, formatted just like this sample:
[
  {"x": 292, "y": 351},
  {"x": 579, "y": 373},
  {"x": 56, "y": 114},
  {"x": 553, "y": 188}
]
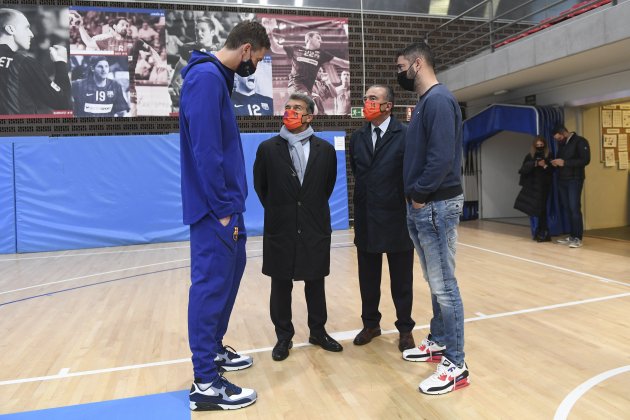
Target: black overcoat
[
  {"x": 536, "y": 183},
  {"x": 297, "y": 231},
  {"x": 380, "y": 214}
]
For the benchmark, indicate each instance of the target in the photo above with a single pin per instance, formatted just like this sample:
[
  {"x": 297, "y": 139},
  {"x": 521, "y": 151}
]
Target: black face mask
[
  {"x": 541, "y": 148},
  {"x": 246, "y": 68},
  {"x": 405, "y": 82}
]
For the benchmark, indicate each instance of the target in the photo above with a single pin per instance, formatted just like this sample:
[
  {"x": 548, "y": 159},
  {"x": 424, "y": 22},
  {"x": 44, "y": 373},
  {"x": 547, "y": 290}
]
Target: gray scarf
[{"x": 296, "y": 149}]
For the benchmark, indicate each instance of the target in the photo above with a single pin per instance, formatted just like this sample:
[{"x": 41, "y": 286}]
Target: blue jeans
[
  {"x": 570, "y": 192},
  {"x": 433, "y": 230}
]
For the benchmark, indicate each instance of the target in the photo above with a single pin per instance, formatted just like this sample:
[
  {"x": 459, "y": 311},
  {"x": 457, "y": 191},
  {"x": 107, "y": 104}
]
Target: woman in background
[{"x": 536, "y": 182}]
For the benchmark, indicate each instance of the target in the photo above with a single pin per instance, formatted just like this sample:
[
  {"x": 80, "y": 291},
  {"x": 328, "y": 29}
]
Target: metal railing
[{"x": 499, "y": 30}]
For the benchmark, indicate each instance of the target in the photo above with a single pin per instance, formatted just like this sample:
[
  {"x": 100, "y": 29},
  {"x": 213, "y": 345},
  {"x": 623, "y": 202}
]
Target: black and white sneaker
[
  {"x": 220, "y": 395},
  {"x": 448, "y": 377},
  {"x": 227, "y": 360}
]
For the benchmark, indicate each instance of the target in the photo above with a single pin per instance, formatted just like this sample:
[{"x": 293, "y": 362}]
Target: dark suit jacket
[
  {"x": 380, "y": 214},
  {"x": 296, "y": 242}
]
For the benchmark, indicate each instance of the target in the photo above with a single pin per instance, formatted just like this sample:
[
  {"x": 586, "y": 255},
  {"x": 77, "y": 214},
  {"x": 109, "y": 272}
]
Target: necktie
[{"x": 377, "y": 130}]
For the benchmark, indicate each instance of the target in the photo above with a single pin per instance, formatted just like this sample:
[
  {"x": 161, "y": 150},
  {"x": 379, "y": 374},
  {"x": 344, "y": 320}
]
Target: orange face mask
[
  {"x": 371, "y": 110},
  {"x": 292, "y": 119}
]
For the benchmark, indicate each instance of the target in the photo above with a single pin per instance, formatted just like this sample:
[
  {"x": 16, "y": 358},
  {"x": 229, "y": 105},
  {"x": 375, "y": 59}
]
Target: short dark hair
[
  {"x": 389, "y": 92},
  {"x": 310, "y": 103},
  {"x": 248, "y": 31},
  {"x": 311, "y": 34},
  {"x": 559, "y": 129},
  {"x": 418, "y": 49},
  {"x": 117, "y": 20},
  {"x": 208, "y": 21},
  {"x": 7, "y": 16}
]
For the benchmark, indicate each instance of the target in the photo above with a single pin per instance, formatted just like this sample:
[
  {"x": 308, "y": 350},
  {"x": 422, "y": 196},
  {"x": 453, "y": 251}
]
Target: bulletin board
[{"x": 615, "y": 133}]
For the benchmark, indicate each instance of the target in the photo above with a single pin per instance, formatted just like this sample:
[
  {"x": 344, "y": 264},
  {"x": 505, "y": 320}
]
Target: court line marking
[
  {"x": 125, "y": 251},
  {"x": 90, "y": 275},
  {"x": 569, "y": 401},
  {"x": 336, "y": 245},
  {"x": 343, "y": 335},
  {"x": 568, "y": 270}
]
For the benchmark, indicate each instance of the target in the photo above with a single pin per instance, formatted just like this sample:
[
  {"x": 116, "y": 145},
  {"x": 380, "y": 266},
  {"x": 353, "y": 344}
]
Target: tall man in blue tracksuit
[
  {"x": 431, "y": 174},
  {"x": 214, "y": 189}
]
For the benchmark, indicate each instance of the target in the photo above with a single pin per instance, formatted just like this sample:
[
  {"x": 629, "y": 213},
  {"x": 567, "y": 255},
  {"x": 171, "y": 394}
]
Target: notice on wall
[
  {"x": 606, "y": 118},
  {"x": 622, "y": 142},
  {"x": 609, "y": 157},
  {"x": 623, "y": 160},
  {"x": 610, "y": 140},
  {"x": 615, "y": 120}
]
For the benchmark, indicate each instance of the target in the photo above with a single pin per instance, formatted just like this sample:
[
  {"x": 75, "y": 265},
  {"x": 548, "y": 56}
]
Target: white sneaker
[
  {"x": 427, "y": 351},
  {"x": 220, "y": 395},
  {"x": 575, "y": 243},
  {"x": 565, "y": 241},
  {"x": 447, "y": 377}
]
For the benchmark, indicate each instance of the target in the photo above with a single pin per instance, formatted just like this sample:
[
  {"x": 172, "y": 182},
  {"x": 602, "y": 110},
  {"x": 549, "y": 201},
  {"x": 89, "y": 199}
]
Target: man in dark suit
[
  {"x": 380, "y": 224},
  {"x": 294, "y": 176}
]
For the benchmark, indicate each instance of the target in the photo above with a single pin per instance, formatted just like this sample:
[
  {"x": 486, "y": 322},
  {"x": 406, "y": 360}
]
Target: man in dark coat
[
  {"x": 380, "y": 215},
  {"x": 294, "y": 176},
  {"x": 573, "y": 155}
]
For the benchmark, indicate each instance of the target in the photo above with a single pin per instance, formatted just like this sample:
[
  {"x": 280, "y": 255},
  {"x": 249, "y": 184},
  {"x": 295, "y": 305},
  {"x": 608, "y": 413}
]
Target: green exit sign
[{"x": 356, "y": 112}]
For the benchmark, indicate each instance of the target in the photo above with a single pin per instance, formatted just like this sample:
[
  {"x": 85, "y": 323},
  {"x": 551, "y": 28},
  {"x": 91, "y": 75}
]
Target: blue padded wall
[
  {"x": 86, "y": 192},
  {"x": 97, "y": 191},
  {"x": 7, "y": 200}
]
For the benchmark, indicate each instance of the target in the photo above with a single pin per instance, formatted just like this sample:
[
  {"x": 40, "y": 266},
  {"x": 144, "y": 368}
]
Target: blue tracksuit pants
[{"x": 217, "y": 263}]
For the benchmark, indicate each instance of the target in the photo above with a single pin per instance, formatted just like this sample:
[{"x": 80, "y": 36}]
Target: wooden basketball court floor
[{"x": 547, "y": 333}]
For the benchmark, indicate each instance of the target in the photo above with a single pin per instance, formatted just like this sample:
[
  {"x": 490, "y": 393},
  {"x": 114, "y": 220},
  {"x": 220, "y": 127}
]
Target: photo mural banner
[{"x": 85, "y": 61}]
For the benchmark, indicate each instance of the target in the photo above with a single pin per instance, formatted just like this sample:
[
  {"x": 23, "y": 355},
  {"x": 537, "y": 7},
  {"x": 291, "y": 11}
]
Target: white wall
[{"x": 501, "y": 158}]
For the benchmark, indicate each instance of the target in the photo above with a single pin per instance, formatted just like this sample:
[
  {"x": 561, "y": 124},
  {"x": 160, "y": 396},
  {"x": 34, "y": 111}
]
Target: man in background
[
  {"x": 573, "y": 155},
  {"x": 97, "y": 95},
  {"x": 247, "y": 101},
  {"x": 342, "y": 99},
  {"x": 25, "y": 88},
  {"x": 117, "y": 39},
  {"x": 305, "y": 60}
]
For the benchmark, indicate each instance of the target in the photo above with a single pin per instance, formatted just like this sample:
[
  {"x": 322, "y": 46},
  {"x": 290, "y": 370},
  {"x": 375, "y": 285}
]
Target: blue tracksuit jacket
[{"x": 212, "y": 163}]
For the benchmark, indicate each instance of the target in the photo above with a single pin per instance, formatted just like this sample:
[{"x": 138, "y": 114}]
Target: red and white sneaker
[
  {"x": 427, "y": 351},
  {"x": 447, "y": 377}
]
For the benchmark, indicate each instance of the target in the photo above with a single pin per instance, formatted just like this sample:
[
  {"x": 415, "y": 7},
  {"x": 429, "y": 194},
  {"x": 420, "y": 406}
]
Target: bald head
[
  {"x": 7, "y": 17},
  {"x": 15, "y": 31}
]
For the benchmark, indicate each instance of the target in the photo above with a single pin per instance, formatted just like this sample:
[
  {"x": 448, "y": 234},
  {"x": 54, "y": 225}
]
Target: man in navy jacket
[
  {"x": 573, "y": 155},
  {"x": 214, "y": 189},
  {"x": 432, "y": 177}
]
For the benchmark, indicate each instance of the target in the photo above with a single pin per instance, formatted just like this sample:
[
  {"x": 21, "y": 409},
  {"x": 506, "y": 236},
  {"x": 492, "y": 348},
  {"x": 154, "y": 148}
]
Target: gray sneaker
[
  {"x": 575, "y": 243},
  {"x": 220, "y": 395},
  {"x": 565, "y": 241}
]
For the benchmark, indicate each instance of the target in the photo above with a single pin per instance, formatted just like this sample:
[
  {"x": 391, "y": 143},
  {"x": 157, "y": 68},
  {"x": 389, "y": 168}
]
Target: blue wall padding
[
  {"x": 7, "y": 200},
  {"x": 86, "y": 192},
  {"x": 97, "y": 191}
]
